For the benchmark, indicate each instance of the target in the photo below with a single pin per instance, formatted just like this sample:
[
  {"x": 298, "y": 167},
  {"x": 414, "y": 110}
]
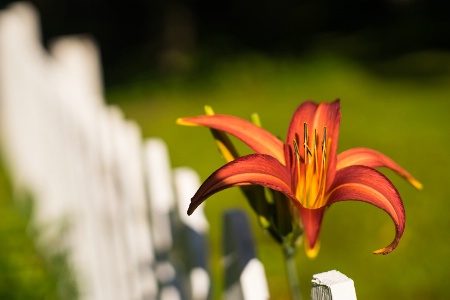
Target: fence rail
[{"x": 104, "y": 195}]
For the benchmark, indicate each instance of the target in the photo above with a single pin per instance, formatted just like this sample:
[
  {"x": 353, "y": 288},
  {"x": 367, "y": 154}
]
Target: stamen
[
  {"x": 315, "y": 151},
  {"x": 305, "y": 140},
  {"x": 322, "y": 171},
  {"x": 324, "y": 147},
  {"x": 324, "y": 138},
  {"x": 308, "y": 169},
  {"x": 311, "y": 169},
  {"x": 297, "y": 154},
  {"x": 305, "y": 133}
]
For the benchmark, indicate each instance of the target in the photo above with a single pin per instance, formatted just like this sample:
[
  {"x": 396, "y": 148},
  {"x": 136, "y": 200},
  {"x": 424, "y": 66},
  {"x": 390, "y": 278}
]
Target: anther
[
  {"x": 324, "y": 141},
  {"x": 305, "y": 138},
  {"x": 305, "y": 134},
  {"x": 315, "y": 138},
  {"x": 297, "y": 153}
]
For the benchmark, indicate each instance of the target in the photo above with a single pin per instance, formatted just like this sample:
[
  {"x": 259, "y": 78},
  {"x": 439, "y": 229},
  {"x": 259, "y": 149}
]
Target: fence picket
[
  {"x": 162, "y": 210},
  {"x": 243, "y": 271},
  {"x": 193, "y": 235},
  {"x": 332, "y": 285}
]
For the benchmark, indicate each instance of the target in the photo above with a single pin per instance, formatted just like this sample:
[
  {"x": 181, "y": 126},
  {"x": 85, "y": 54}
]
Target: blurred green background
[{"x": 388, "y": 63}]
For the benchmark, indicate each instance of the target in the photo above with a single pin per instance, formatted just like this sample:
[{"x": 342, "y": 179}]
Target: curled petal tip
[
  {"x": 388, "y": 249},
  {"x": 192, "y": 207},
  {"x": 383, "y": 251},
  {"x": 312, "y": 252},
  {"x": 190, "y": 210},
  {"x": 182, "y": 121},
  {"x": 415, "y": 183}
]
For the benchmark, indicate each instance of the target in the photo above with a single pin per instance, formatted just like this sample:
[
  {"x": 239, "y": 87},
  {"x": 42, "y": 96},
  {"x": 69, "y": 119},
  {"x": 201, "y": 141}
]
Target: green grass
[
  {"x": 388, "y": 108},
  {"x": 399, "y": 108}
]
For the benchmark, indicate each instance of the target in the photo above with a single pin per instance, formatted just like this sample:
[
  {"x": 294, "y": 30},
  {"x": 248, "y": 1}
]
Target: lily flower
[{"x": 306, "y": 168}]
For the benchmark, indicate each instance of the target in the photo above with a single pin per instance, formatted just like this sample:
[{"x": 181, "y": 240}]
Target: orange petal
[
  {"x": 329, "y": 115},
  {"x": 365, "y": 184},
  {"x": 317, "y": 116},
  {"x": 303, "y": 114},
  {"x": 259, "y": 169},
  {"x": 312, "y": 221},
  {"x": 374, "y": 159},
  {"x": 224, "y": 143},
  {"x": 258, "y": 139}
]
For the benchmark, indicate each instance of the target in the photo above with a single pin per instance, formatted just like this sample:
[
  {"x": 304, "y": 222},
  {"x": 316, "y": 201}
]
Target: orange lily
[{"x": 306, "y": 168}]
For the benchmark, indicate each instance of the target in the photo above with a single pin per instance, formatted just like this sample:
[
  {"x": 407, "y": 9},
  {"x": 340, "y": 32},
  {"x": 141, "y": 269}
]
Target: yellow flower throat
[{"x": 311, "y": 170}]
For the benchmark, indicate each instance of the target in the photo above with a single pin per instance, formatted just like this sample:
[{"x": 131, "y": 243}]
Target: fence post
[
  {"x": 244, "y": 273},
  {"x": 162, "y": 205},
  {"x": 192, "y": 235},
  {"x": 332, "y": 285}
]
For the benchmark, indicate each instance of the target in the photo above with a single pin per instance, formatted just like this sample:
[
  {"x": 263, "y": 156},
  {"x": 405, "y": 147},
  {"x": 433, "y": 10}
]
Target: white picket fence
[{"x": 104, "y": 195}]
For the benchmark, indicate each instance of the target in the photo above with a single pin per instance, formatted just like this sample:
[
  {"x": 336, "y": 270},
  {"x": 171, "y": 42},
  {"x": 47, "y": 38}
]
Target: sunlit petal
[
  {"x": 316, "y": 116},
  {"x": 329, "y": 115},
  {"x": 259, "y": 169},
  {"x": 303, "y": 114},
  {"x": 224, "y": 143},
  {"x": 365, "y": 184},
  {"x": 258, "y": 139},
  {"x": 374, "y": 159}
]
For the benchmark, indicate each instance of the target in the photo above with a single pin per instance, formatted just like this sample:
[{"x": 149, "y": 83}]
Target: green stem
[{"x": 291, "y": 270}]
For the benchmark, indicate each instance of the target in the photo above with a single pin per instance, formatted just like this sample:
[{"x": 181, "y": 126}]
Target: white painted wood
[
  {"x": 253, "y": 281},
  {"x": 187, "y": 182},
  {"x": 332, "y": 285},
  {"x": 200, "y": 283},
  {"x": 243, "y": 270},
  {"x": 161, "y": 194},
  {"x": 66, "y": 147},
  {"x": 79, "y": 105},
  {"x": 138, "y": 229},
  {"x": 161, "y": 210},
  {"x": 20, "y": 54},
  {"x": 31, "y": 120},
  {"x": 195, "y": 232}
]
